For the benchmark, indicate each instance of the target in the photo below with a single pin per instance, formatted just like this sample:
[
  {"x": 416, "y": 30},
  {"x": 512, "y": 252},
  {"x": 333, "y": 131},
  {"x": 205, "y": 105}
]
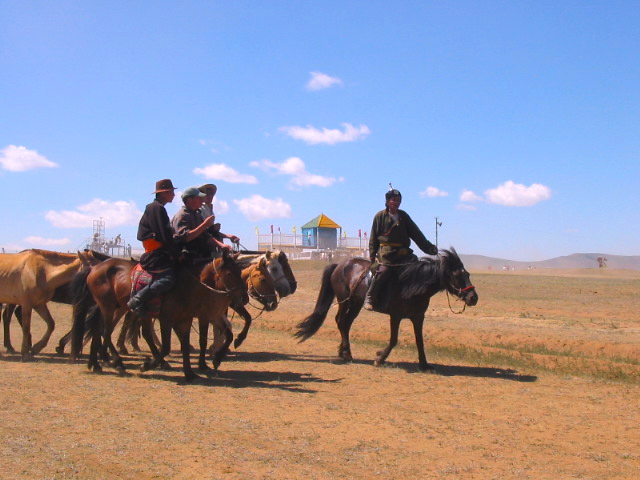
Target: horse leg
[
  {"x": 224, "y": 325},
  {"x": 95, "y": 321},
  {"x": 149, "y": 334},
  {"x": 344, "y": 318},
  {"x": 203, "y": 327},
  {"x": 417, "y": 331},
  {"x": 63, "y": 342},
  {"x": 246, "y": 316},
  {"x": 116, "y": 361},
  {"x": 43, "y": 311},
  {"x": 25, "y": 350},
  {"x": 183, "y": 329},
  {"x": 122, "y": 337},
  {"x": 393, "y": 341},
  {"x": 158, "y": 359},
  {"x": 6, "y": 321}
]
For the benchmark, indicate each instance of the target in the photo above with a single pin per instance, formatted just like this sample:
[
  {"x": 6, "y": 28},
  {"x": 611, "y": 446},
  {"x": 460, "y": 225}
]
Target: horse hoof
[
  {"x": 36, "y": 349},
  {"x": 60, "y": 350},
  {"x": 27, "y": 357},
  {"x": 378, "y": 363},
  {"x": 94, "y": 368},
  {"x": 190, "y": 377},
  {"x": 427, "y": 368},
  {"x": 11, "y": 350},
  {"x": 237, "y": 342},
  {"x": 164, "y": 365}
]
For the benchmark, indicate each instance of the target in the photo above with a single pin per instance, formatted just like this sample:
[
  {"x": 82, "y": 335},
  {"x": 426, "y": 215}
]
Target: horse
[
  {"x": 285, "y": 284},
  {"x": 30, "y": 279},
  {"x": 205, "y": 292},
  {"x": 408, "y": 296},
  {"x": 260, "y": 287},
  {"x": 278, "y": 266}
]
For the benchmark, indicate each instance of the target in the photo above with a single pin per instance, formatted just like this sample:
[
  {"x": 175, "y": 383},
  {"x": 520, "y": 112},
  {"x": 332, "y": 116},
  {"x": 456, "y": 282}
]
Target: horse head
[
  {"x": 278, "y": 275},
  {"x": 457, "y": 279},
  {"x": 261, "y": 286},
  {"x": 224, "y": 274},
  {"x": 286, "y": 268}
]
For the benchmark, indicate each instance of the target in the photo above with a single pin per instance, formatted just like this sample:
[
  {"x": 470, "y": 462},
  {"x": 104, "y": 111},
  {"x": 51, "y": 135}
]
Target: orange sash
[{"x": 151, "y": 244}]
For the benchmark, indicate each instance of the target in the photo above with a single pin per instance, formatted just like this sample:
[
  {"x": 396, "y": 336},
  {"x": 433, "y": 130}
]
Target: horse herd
[{"x": 98, "y": 288}]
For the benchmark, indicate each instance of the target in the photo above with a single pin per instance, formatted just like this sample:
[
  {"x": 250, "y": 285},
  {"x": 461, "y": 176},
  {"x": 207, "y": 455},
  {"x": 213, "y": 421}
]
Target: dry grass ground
[{"x": 540, "y": 380}]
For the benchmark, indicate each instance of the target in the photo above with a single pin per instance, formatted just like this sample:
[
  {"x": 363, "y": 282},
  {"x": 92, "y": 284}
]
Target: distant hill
[{"x": 577, "y": 260}]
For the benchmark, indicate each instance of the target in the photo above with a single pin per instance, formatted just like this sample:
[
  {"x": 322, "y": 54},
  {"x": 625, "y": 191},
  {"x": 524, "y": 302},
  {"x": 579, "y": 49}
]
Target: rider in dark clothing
[
  {"x": 160, "y": 250},
  {"x": 390, "y": 241}
]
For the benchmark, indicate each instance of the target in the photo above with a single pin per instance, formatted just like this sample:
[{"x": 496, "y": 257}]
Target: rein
[
  {"x": 460, "y": 292},
  {"x": 215, "y": 290}
]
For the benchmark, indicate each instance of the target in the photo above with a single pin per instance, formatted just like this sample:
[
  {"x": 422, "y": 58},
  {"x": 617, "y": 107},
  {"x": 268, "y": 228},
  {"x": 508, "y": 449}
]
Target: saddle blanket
[{"x": 140, "y": 278}]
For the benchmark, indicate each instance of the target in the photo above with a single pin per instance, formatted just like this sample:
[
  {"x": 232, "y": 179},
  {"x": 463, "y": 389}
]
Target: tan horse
[
  {"x": 30, "y": 279},
  {"x": 276, "y": 266}
]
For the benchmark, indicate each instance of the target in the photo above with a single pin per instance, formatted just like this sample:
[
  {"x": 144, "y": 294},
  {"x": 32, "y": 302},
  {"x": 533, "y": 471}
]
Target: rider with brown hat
[{"x": 160, "y": 250}]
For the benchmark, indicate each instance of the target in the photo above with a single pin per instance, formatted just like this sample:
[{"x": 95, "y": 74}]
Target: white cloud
[
  {"x": 469, "y": 196},
  {"x": 313, "y": 136},
  {"x": 512, "y": 194},
  {"x": 220, "y": 206},
  {"x": 321, "y": 81},
  {"x": 47, "y": 242},
  {"x": 466, "y": 206},
  {"x": 433, "y": 192},
  {"x": 296, "y": 168},
  {"x": 256, "y": 207},
  {"x": 20, "y": 159},
  {"x": 112, "y": 213},
  {"x": 220, "y": 171}
]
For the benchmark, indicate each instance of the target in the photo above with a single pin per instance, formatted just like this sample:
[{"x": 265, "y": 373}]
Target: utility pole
[{"x": 438, "y": 224}]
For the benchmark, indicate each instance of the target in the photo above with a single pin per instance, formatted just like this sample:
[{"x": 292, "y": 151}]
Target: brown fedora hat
[
  {"x": 164, "y": 185},
  {"x": 203, "y": 188}
]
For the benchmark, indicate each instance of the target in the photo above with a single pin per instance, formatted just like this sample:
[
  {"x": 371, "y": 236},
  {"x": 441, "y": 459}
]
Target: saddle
[{"x": 140, "y": 278}]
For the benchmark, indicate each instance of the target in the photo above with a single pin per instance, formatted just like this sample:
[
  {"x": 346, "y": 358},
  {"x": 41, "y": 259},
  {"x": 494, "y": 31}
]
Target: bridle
[
  {"x": 226, "y": 291},
  {"x": 459, "y": 292},
  {"x": 253, "y": 292}
]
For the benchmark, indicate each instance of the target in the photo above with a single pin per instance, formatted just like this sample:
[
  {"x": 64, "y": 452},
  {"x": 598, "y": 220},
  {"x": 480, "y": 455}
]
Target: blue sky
[{"x": 515, "y": 123}]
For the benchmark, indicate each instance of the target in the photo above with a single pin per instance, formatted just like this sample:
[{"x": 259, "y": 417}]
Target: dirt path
[{"x": 298, "y": 413}]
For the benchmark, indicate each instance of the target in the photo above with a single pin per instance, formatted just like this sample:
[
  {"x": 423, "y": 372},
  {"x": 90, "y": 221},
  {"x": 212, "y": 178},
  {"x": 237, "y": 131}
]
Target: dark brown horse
[
  {"x": 409, "y": 291},
  {"x": 203, "y": 292}
]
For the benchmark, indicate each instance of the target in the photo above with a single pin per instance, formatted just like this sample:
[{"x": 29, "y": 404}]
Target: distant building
[{"x": 321, "y": 233}]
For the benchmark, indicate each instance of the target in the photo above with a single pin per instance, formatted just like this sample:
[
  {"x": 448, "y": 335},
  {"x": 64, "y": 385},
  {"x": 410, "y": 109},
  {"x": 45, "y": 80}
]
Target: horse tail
[
  {"x": 81, "y": 300},
  {"x": 313, "y": 322}
]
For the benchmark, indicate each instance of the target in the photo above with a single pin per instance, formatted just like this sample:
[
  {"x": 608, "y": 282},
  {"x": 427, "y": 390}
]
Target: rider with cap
[
  {"x": 390, "y": 241},
  {"x": 160, "y": 250},
  {"x": 191, "y": 228}
]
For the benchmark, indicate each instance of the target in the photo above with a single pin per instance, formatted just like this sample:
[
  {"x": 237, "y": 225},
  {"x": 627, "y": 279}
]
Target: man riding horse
[
  {"x": 160, "y": 250},
  {"x": 390, "y": 239}
]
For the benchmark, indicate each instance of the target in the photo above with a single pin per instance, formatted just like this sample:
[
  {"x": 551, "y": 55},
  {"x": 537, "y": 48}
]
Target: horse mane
[{"x": 419, "y": 277}]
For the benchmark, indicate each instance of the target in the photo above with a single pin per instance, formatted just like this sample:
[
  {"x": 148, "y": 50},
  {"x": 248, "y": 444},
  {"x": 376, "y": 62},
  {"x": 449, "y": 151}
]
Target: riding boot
[
  {"x": 137, "y": 302},
  {"x": 372, "y": 292}
]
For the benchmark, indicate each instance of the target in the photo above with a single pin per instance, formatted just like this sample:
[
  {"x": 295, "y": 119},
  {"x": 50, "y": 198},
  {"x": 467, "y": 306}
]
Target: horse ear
[
  {"x": 268, "y": 255},
  {"x": 262, "y": 263},
  {"x": 83, "y": 258}
]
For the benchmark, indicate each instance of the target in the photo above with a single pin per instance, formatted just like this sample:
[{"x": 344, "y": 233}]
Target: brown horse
[
  {"x": 409, "y": 291},
  {"x": 30, "y": 279},
  {"x": 261, "y": 288},
  {"x": 205, "y": 292}
]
